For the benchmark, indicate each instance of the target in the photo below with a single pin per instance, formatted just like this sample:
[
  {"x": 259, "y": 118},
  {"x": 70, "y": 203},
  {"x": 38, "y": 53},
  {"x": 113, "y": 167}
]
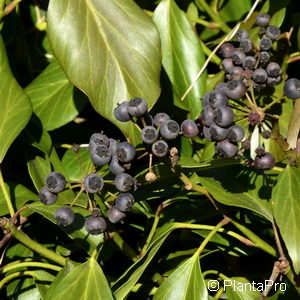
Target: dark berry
[
  {"x": 272, "y": 81},
  {"x": 160, "y": 118},
  {"x": 224, "y": 116},
  {"x": 218, "y": 133},
  {"x": 249, "y": 62},
  {"x": 260, "y": 151},
  {"x": 205, "y": 99},
  {"x": 93, "y": 183},
  {"x": 238, "y": 56},
  {"x": 114, "y": 215},
  {"x": 113, "y": 146},
  {"x": 100, "y": 155},
  {"x": 169, "y": 129},
  {"x": 246, "y": 45},
  {"x": 235, "y": 133},
  {"x": 265, "y": 44},
  {"x": 46, "y": 196},
  {"x": 247, "y": 74},
  {"x": 273, "y": 69},
  {"x": 189, "y": 128},
  {"x": 95, "y": 225},
  {"x": 264, "y": 57},
  {"x": 262, "y": 20},
  {"x": 227, "y": 64},
  {"x": 260, "y": 75},
  {"x": 149, "y": 134},
  {"x": 124, "y": 182},
  {"x": 125, "y": 152},
  {"x": 121, "y": 112},
  {"x": 98, "y": 139},
  {"x": 160, "y": 148},
  {"x": 55, "y": 182},
  {"x": 221, "y": 87},
  {"x": 217, "y": 99},
  {"x": 258, "y": 86},
  {"x": 292, "y": 88},
  {"x": 149, "y": 121},
  {"x": 273, "y": 32},
  {"x": 226, "y": 149},
  {"x": 124, "y": 202},
  {"x": 137, "y": 107},
  {"x": 264, "y": 162},
  {"x": 226, "y": 50},
  {"x": 236, "y": 73},
  {"x": 236, "y": 89},
  {"x": 64, "y": 216},
  {"x": 207, "y": 116},
  {"x": 207, "y": 134},
  {"x": 242, "y": 34},
  {"x": 115, "y": 167}
]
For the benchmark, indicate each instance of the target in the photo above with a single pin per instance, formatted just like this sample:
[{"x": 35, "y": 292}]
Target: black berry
[
  {"x": 121, "y": 112},
  {"x": 160, "y": 118},
  {"x": 55, "y": 182},
  {"x": 273, "y": 32},
  {"x": 64, "y": 216},
  {"x": 149, "y": 134},
  {"x": 115, "y": 167},
  {"x": 93, "y": 183},
  {"x": 236, "y": 89},
  {"x": 264, "y": 162},
  {"x": 114, "y": 215},
  {"x": 226, "y": 149},
  {"x": 46, "y": 196},
  {"x": 100, "y": 155},
  {"x": 125, "y": 152},
  {"x": 235, "y": 133},
  {"x": 124, "y": 202},
  {"x": 160, "y": 148},
  {"x": 224, "y": 116},
  {"x": 265, "y": 44},
  {"x": 124, "y": 182},
  {"x": 260, "y": 75},
  {"x": 137, "y": 107},
  {"x": 262, "y": 20},
  {"x": 169, "y": 129},
  {"x": 95, "y": 225},
  {"x": 292, "y": 88},
  {"x": 189, "y": 128}
]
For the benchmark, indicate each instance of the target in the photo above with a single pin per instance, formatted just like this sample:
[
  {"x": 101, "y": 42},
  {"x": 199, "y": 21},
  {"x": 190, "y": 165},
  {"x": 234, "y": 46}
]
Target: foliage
[{"x": 201, "y": 225}]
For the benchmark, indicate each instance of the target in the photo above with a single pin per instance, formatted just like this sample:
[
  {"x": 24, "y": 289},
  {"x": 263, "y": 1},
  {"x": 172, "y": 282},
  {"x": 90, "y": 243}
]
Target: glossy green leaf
[
  {"x": 54, "y": 99},
  {"x": 240, "y": 191},
  {"x": 84, "y": 282},
  {"x": 127, "y": 281},
  {"x": 110, "y": 51},
  {"x": 15, "y": 106},
  {"x": 76, "y": 230},
  {"x": 234, "y": 10},
  {"x": 186, "y": 282},
  {"x": 19, "y": 195},
  {"x": 39, "y": 166},
  {"x": 182, "y": 55},
  {"x": 77, "y": 164},
  {"x": 286, "y": 208}
]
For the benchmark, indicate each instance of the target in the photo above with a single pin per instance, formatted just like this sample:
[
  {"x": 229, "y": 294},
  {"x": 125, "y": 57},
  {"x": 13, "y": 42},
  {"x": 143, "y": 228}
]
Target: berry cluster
[
  {"x": 103, "y": 150},
  {"x": 249, "y": 64},
  {"x": 247, "y": 68},
  {"x": 156, "y": 130}
]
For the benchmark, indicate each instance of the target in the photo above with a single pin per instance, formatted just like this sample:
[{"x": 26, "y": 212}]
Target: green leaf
[
  {"x": 234, "y": 10},
  {"x": 39, "y": 166},
  {"x": 76, "y": 230},
  {"x": 186, "y": 282},
  {"x": 86, "y": 281},
  {"x": 113, "y": 54},
  {"x": 286, "y": 208},
  {"x": 182, "y": 55},
  {"x": 19, "y": 195},
  {"x": 15, "y": 106},
  {"x": 77, "y": 164},
  {"x": 54, "y": 99},
  {"x": 127, "y": 281},
  {"x": 238, "y": 190}
]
